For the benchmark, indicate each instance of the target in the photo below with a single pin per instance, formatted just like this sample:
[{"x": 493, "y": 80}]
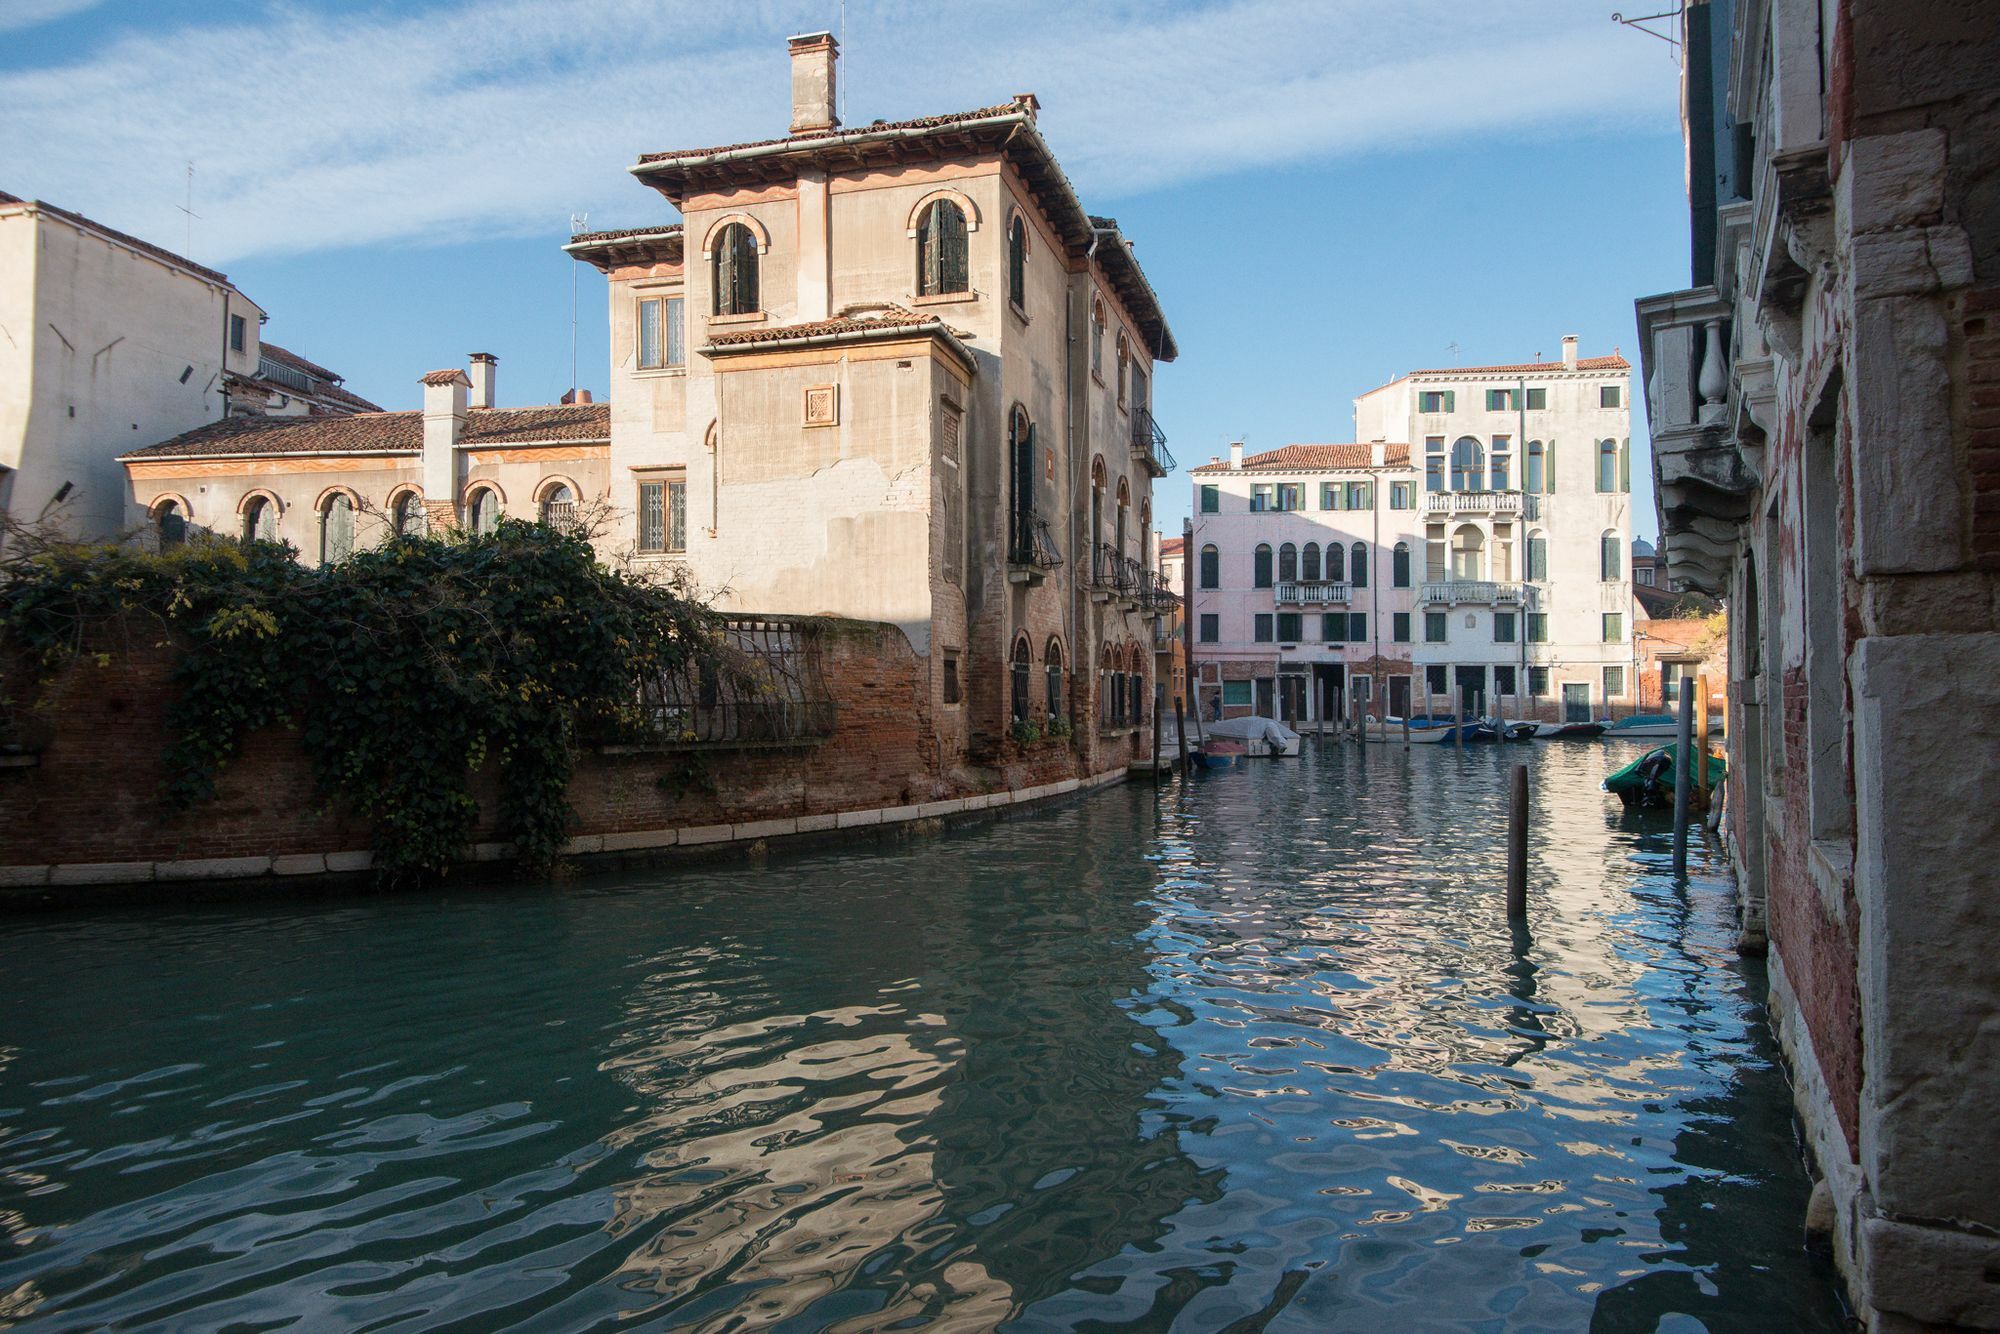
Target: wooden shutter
[
  {"x": 1451, "y": 400},
  {"x": 1625, "y": 467},
  {"x": 1549, "y": 467},
  {"x": 725, "y": 274}
]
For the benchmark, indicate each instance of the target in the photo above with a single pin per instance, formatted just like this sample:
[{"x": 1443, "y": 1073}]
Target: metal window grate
[{"x": 763, "y": 689}]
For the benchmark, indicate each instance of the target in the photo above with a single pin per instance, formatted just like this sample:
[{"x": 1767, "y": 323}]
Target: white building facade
[
  {"x": 1524, "y": 598},
  {"x": 1304, "y": 563}
]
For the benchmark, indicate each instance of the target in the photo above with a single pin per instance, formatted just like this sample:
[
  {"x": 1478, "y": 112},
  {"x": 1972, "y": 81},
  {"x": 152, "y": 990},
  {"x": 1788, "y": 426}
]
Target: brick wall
[
  {"x": 1982, "y": 379},
  {"x": 93, "y": 796}
]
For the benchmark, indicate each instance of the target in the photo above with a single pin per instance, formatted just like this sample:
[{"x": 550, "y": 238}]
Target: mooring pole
[
  {"x": 1158, "y": 699},
  {"x": 1701, "y": 741},
  {"x": 1458, "y": 728},
  {"x": 1517, "y": 844},
  {"x": 1683, "y": 777},
  {"x": 1180, "y": 735},
  {"x": 1406, "y": 729}
]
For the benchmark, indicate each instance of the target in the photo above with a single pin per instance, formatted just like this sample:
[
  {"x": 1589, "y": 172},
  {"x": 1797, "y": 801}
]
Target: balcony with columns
[
  {"x": 1482, "y": 504},
  {"x": 1479, "y": 592},
  {"x": 1312, "y": 594}
]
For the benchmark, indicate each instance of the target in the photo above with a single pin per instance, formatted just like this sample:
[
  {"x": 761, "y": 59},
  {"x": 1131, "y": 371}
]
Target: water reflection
[{"x": 1265, "y": 1056}]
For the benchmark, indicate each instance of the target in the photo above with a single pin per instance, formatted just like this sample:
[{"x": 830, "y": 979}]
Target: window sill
[
  {"x": 1097, "y": 377},
  {"x": 1020, "y": 311},
  {"x": 752, "y": 317},
  {"x": 945, "y": 299},
  {"x": 660, "y": 556},
  {"x": 660, "y": 373}
]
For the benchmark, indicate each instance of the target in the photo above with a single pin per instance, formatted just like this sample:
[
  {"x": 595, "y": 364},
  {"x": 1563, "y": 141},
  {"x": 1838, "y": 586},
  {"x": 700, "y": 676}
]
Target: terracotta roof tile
[
  {"x": 806, "y": 139},
  {"x": 383, "y": 432},
  {"x": 1172, "y": 546},
  {"x": 1315, "y": 458},
  {"x": 123, "y": 238},
  {"x": 452, "y": 376},
  {"x": 879, "y": 317},
  {"x": 1614, "y": 362},
  {"x": 595, "y": 238}
]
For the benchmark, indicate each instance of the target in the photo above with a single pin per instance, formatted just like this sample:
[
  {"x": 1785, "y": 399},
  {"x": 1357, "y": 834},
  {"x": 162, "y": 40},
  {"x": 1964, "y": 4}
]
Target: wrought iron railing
[
  {"x": 762, "y": 687},
  {"x": 1029, "y": 542},
  {"x": 1149, "y": 443},
  {"x": 1104, "y": 566}
]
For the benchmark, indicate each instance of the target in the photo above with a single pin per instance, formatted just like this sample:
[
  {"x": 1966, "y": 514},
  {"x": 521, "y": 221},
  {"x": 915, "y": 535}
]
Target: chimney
[
  {"x": 1569, "y": 350},
  {"x": 814, "y": 57},
  {"x": 1031, "y": 104},
  {"x": 575, "y": 396},
  {"x": 1235, "y": 453},
  {"x": 483, "y": 364},
  {"x": 444, "y": 426},
  {"x": 1378, "y": 453}
]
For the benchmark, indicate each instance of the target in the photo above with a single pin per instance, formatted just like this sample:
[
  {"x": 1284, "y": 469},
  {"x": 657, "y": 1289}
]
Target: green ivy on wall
[{"x": 405, "y": 668}]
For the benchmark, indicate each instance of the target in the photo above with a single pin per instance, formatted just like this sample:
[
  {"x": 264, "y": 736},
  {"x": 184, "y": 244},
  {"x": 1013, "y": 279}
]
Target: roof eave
[{"x": 889, "y": 333}]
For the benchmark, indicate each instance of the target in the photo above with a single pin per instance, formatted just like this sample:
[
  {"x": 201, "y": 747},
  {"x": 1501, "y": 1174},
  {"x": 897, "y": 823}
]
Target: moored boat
[
  {"x": 1647, "y": 783},
  {"x": 1644, "y": 726},
  {"x": 1433, "y": 730},
  {"x": 1568, "y": 731},
  {"x": 1265, "y": 738}
]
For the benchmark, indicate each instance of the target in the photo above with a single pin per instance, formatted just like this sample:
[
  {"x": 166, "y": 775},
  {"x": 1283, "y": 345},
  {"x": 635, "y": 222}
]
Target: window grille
[{"x": 761, "y": 686}]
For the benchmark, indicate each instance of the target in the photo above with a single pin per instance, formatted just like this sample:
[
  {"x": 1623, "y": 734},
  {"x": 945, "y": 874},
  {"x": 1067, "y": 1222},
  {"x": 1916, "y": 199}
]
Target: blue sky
[{"x": 1325, "y": 193}]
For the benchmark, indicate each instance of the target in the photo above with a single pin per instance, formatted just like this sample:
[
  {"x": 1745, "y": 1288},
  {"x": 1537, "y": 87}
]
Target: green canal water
[{"x": 1263, "y": 1054}]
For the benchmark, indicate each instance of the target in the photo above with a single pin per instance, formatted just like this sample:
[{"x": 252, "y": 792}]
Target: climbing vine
[{"x": 406, "y": 668}]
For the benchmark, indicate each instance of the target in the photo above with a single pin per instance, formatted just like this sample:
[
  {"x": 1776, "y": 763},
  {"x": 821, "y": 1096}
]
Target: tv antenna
[
  {"x": 188, "y": 208},
  {"x": 578, "y": 223}
]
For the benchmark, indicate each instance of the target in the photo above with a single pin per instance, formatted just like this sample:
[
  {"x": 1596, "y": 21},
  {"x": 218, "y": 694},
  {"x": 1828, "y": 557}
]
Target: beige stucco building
[
  {"x": 113, "y": 342},
  {"x": 896, "y": 373}
]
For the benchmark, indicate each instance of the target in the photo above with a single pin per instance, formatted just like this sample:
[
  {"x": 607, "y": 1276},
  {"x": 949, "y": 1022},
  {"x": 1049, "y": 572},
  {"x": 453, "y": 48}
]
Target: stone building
[
  {"x": 1825, "y": 408},
  {"x": 1523, "y": 592},
  {"x": 1303, "y": 580},
  {"x": 1170, "y": 630},
  {"x": 117, "y": 342},
  {"x": 897, "y": 371}
]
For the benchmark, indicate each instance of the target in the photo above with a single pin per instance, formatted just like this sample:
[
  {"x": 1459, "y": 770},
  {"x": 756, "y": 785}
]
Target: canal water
[{"x": 1261, "y": 1054}]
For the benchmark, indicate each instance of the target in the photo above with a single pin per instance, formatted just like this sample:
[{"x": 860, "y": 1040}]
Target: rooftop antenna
[
  {"x": 840, "y": 89},
  {"x": 188, "y": 208},
  {"x": 1455, "y": 350},
  {"x": 577, "y": 223}
]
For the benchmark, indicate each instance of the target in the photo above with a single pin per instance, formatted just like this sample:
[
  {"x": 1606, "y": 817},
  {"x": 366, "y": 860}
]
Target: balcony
[
  {"x": 1031, "y": 549},
  {"x": 1156, "y": 598},
  {"x": 1496, "y": 504},
  {"x": 1480, "y": 592},
  {"x": 1312, "y": 594},
  {"x": 1149, "y": 443}
]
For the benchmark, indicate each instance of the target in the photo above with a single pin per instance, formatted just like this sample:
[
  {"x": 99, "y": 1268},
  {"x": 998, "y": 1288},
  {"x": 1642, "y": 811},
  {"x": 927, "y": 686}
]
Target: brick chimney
[
  {"x": 814, "y": 58},
  {"x": 575, "y": 396},
  {"x": 1235, "y": 453},
  {"x": 1569, "y": 350},
  {"x": 483, "y": 366},
  {"x": 444, "y": 426}
]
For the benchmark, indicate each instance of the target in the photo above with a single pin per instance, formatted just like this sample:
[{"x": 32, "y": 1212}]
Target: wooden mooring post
[
  {"x": 1159, "y": 698},
  {"x": 1180, "y": 735},
  {"x": 1683, "y": 779},
  {"x": 1517, "y": 844}
]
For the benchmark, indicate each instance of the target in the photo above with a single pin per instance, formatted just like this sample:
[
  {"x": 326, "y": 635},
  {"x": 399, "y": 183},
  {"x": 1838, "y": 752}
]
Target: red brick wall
[{"x": 94, "y": 795}]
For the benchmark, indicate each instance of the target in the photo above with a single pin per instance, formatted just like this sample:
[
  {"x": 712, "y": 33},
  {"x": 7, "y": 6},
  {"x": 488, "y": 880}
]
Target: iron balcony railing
[
  {"x": 1105, "y": 566},
  {"x": 1155, "y": 592},
  {"x": 1030, "y": 542},
  {"x": 1131, "y": 575},
  {"x": 1306, "y": 594},
  {"x": 762, "y": 686},
  {"x": 1149, "y": 443},
  {"x": 1504, "y": 504},
  {"x": 1483, "y": 591}
]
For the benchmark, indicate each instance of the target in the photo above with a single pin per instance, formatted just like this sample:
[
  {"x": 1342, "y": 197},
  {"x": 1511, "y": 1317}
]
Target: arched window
[
  {"x": 1124, "y": 508},
  {"x": 485, "y": 510},
  {"x": 1399, "y": 566},
  {"x": 170, "y": 521},
  {"x": 1531, "y": 481},
  {"x": 1135, "y": 688},
  {"x": 1124, "y": 361},
  {"x": 1021, "y": 472},
  {"x": 1288, "y": 564},
  {"x": 1357, "y": 565},
  {"x": 1309, "y": 565},
  {"x": 1467, "y": 458},
  {"x": 408, "y": 517},
  {"x": 1336, "y": 562},
  {"x": 260, "y": 520},
  {"x": 941, "y": 250},
  {"x": 336, "y": 529},
  {"x": 1097, "y": 338},
  {"x": 1211, "y": 567},
  {"x": 1538, "y": 556},
  {"x": 733, "y": 271},
  {"x": 1052, "y": 665},
  {"x": 1023, "y": 659},
  {"x": 1467, "y": 552},
  {"x": 1607, "y": 466},
  {"x": 559, "y": 507},
  {"x": 1261, "y": 567},
  {"x": 1017, "y": 262},
  {"x": 1608, "y": 557}
]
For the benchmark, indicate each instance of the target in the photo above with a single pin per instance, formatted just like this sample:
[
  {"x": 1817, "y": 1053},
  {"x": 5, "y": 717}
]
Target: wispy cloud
[
  {"x": 311, "y": 131},
  {"x": 22, "y": 14}
]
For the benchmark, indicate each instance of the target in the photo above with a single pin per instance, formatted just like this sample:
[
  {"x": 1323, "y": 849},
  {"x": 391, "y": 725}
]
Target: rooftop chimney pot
[
  {"x": 444, "y": 427},
  {"x": 1569, "y": 349},
  {"x": 483, "y": 366},
  {"x": 1236, "y": 453},
  {"x": 815, "y": 56}
]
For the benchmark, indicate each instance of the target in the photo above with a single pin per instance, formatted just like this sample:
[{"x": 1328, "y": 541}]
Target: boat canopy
[{"x": 1254, "y": 729}]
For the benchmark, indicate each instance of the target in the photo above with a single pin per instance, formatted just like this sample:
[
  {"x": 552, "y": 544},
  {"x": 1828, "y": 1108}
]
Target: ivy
[{"x": 406, "y": 669}]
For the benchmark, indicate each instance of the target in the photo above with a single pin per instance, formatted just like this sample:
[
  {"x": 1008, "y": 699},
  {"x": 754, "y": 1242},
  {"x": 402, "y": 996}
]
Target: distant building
[
  {"x": 116, "y": 342},
  {"x": 1824, "y": 399},
  {"x": 1303, "y": 580},
  {"x": 1526, "y": 517},
  {"x": 1170, "y": 630}
]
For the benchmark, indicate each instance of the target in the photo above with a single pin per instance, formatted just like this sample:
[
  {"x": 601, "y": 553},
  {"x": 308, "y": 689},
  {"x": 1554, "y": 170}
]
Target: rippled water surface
[{"x": 1263, "y": 1054}]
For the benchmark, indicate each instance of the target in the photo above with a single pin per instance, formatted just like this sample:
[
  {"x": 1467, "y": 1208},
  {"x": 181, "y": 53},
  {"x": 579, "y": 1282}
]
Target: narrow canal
[{"x": 1267, "y": 1056}]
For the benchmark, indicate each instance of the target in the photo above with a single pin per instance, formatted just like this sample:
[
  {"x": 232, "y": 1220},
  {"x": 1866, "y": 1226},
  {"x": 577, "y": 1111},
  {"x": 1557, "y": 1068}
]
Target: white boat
[
  {"x": 1428, "y": 731},
  {"x": 1261, "y": 737}
]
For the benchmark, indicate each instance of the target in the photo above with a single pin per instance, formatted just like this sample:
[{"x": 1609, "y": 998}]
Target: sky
[{"x": 1325, "y": 193}]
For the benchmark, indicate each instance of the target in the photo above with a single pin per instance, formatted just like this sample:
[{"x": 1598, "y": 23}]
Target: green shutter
[
  {"x": 1625, "y": 467},
  {"x": 1549, "y": 467},
  {"x": 1451, "y": 400}
]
